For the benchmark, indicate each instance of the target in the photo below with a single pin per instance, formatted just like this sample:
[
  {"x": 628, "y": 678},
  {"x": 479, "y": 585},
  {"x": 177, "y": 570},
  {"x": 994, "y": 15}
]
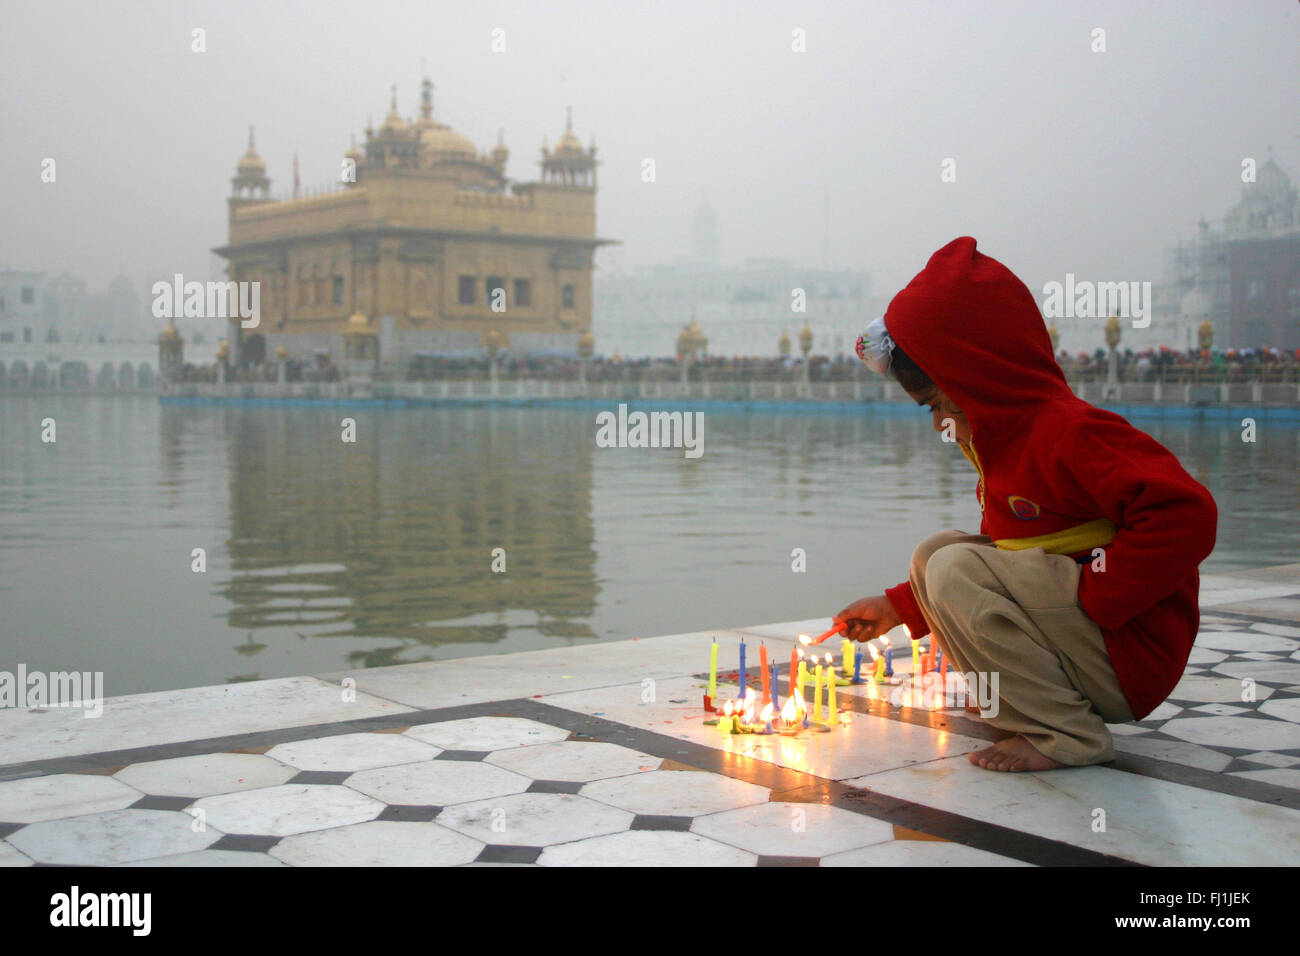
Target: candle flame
[
  {"x": 766, "y": 714},
  {"x": 801, "y": 653},
  {"x": 727, "y": 709},
  {"x": 805, "y": 639},
  {"x": 908, "y": 631},
  {"x": 874, "y": 653},
  {"x": 794, "y": 709},
  {"x": 886, "y": 640}
]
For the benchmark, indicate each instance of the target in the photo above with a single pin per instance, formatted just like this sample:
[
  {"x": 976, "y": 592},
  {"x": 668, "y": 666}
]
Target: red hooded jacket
[{"x": 1058, "y": 473}]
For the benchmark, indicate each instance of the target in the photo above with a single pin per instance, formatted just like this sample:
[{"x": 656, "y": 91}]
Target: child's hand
[{"x": 868, "y": 618}]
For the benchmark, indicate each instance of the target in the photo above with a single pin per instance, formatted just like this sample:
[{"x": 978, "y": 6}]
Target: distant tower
[
  {"x": 569, "y": 164},
  {"x": 704, "y": 236},
  {"x": 250, "y": 180}
]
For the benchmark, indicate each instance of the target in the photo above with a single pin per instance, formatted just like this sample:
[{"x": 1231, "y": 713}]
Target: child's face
[{"x": 943, "y": 409}]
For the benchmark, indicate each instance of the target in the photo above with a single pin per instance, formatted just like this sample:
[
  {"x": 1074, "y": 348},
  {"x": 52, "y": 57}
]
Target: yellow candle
[
  {"x": 713, "y": 671},
  {"x": 803, "y": 679},
  {"x": 817, "y": 694},
  {"x": 880, "y": 670},
  {"x": 831, "y": 709},
  {"x": 849, "y": 649}
]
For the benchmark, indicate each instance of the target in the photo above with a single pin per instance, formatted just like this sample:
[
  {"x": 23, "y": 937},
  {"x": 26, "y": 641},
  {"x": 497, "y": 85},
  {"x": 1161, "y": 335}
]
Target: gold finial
[{"x": 394, "y": 101}]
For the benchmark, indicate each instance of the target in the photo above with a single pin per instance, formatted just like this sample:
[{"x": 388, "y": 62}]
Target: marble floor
[{"x": 601, "y": 755}]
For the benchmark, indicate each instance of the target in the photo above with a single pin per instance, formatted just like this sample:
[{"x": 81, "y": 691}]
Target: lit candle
[
  {"x": 817, "y": 694},
  {"x": 763, "y": 674},
  {"x": 938, "y": 664},
  {"x": 766, "y": 716},
  {"x": 831, "y": 708},
  {"x": 724, "y": 722},
  {"x": 889, "y": 657},
  {"x": 879, "y": 675},
  {"x": 742, "y": 668},
  {"x": 803, "y": 675},
  {"x": 713, "y": 676},
  {"x": 775, "y": 688},
  {"x": 857, "y": 668},
  {"x": 847, "y": 648}
]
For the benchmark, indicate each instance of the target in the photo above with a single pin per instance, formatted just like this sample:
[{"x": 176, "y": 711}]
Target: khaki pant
[{"x": 1016, "y": 614}]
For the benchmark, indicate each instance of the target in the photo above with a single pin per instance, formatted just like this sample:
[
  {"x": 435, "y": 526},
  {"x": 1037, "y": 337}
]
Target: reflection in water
[
  {"x": 324, "y": 556},
  {"x": 393, "y": 536}
]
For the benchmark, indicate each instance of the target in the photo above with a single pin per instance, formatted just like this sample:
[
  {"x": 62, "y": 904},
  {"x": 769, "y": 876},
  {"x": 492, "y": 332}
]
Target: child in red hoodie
[{"x": 1080, "y": 592}]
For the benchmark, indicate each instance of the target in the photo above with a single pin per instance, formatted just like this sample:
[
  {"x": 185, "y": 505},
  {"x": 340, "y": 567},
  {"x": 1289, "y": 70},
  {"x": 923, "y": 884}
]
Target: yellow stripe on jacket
[{"x": 1082, "y": 537}]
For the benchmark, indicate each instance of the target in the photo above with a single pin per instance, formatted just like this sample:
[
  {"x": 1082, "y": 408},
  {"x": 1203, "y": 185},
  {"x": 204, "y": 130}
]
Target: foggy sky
[{"x": 1067, "y": 160}]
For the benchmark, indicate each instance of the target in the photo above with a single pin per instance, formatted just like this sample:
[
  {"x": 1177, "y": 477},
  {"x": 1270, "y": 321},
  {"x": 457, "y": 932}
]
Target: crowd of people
[{"x": 1266, "y": 364}]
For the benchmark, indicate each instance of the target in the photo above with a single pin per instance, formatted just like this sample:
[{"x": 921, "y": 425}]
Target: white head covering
[{"x": 875, "y": 347}]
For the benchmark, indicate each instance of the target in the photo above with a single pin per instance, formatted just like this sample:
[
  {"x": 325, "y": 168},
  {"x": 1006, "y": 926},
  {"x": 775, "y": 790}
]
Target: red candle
[
  {"x": 762, "y": 664},
  {"x": 794, "y": 670}
]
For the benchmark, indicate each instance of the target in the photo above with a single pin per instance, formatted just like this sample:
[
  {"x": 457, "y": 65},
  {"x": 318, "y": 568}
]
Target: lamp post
[
  {"x": 805, "y": 346},
  {"x": 586, "y": 346},
  {"x": 783, "y": 344},
  {"x": 1112, "y": 342},
  {"x": 223, "y": 352},
  {"x": 494, "y": 341}
]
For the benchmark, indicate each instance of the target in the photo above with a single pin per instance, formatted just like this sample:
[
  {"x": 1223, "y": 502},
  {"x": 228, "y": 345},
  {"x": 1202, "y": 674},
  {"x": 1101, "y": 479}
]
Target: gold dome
[
  {"x": 443, "y": 141},
  {"x": 250, "y": 164},
  {"x": 169, "y": 334},
  {"x": 358, "y": 324},
  {"x": 282, "y": 353},
  {"x": 393, "y": 123},
  {"x": 568, "y": 144}
]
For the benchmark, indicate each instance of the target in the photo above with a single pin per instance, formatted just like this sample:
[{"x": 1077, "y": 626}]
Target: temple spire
[{"x": 426, "y": 98}]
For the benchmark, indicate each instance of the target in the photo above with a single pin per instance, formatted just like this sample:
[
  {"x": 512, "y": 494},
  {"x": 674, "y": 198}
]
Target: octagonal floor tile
[
  {"x": 379, "y": 843},
  {"x": 646, "y": 848},
  {"x": 1214, "y": 690},
  {"x": 353, "y": 752},
  {"x": 793, "y": 829},
  {"x": 574, "y": 760},
  {"x": 675, "y": 792},
  {"x": 56, "y": 795},
  {"x": 1265, "y": 672},
  {"x": 205, "y": 775},
  {"x": 11, "y": 857},
  {"x": 288, "y": 809},
  {"x": 1245, "y": 641},
  {"x": 919, "y": 853},
  {"x": 487, "y": 733},
  {"x": 119, "y": 836},
  {"x": 1288, "y": 709},
  {"x": 207, "y": 858},
  {"x": 1248, "y": 733},
  {"x": 1282, "y": 777},
  {"x": 1201, "y": 655},
  {"x": 438, "y": 783},
  {"x": 535, "y": 819}
]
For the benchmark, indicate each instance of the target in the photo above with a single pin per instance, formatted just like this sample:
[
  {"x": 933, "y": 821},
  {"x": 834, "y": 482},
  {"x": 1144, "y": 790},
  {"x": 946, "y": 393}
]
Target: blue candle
[
  {"x": 772, "y": 670},
  {"x": 857, "y": 667},
  {"x": 742, "y": 668},
  {"x": 889, "y": 661},
  {"x": 938, "y": 662}
]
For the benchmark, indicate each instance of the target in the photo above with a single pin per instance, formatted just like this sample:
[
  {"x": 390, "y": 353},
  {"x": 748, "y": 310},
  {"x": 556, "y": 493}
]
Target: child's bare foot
[{"x": 1013, "y": 755}]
